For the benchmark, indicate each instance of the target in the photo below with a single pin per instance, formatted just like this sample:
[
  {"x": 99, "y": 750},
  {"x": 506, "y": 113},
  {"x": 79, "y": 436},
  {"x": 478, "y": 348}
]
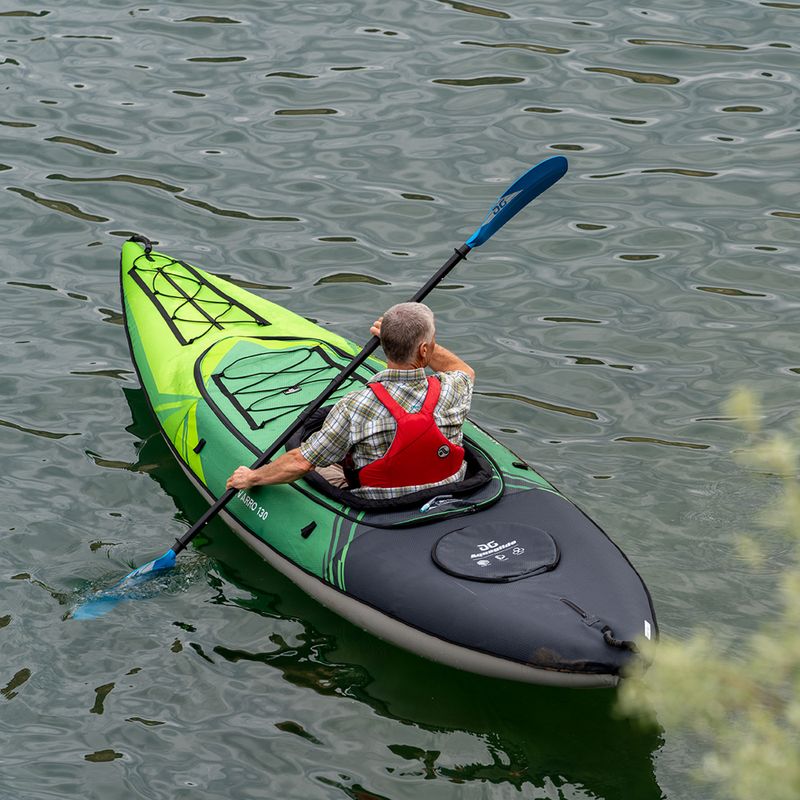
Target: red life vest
[{"x": 420, "y": 453}]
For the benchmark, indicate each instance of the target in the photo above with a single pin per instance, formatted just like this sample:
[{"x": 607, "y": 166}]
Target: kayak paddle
[{"x": 529, "y": 186}]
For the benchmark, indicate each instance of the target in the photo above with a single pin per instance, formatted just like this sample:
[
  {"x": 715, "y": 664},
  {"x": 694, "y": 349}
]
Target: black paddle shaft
[{"x": 459, "y": 254}]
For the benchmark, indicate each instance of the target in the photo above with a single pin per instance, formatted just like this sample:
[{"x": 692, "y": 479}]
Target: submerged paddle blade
[
  {"x": 104, "y": 601},
  {"x": 167, "y": 561},
  {"x": 518, "y": 195}
]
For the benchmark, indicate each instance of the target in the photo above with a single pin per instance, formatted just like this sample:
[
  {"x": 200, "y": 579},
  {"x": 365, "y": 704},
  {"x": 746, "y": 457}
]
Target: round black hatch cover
[{"x": 497, "y": 552}]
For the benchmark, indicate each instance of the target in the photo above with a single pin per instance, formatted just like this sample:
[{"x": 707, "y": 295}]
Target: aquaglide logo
[{"x": 501, "y": 204}]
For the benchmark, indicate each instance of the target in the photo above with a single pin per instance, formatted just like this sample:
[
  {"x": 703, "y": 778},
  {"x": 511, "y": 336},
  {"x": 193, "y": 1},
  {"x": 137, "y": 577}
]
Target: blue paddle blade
[
  {"x": 104, "y": 601},
  {"x": 518, "y": 195}
]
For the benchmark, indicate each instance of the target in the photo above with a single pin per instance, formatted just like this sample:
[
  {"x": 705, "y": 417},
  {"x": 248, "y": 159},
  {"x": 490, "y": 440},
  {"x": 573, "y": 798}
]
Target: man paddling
[{"x": 401, "y": 433}]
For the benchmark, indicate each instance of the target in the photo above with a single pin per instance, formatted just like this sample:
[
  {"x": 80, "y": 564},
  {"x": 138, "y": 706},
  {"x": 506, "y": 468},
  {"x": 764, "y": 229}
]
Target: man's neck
[{"x": 406, "y": 367}]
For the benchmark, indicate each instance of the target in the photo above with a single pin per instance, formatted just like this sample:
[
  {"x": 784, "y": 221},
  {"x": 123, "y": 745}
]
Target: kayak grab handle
[
  {"x": 145, "y": 242},
  {"x": 604, "y": 628}
]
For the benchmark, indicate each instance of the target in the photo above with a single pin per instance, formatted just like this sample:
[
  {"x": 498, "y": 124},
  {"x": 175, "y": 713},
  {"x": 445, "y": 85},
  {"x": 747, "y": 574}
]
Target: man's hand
[
  {"x": 284, "y": 469},
  {"x": 442, "y": 360},
  {"x": 375, "y": 330},
  {"x": 242, "y": 478}
]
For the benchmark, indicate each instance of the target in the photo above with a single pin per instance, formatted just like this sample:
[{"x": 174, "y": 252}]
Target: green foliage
[{"x": 744, "y": 707}]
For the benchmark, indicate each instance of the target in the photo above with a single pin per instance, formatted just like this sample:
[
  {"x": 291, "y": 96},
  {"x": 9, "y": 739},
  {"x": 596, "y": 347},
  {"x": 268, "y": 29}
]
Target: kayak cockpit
[{"x": 480, "y": 472}]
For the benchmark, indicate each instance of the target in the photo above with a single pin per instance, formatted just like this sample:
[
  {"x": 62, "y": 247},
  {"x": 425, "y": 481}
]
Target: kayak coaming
[{"x": 295, "y": 528}]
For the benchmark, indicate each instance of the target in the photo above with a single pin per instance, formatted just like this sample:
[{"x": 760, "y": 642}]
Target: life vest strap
[{"x": 396, "y": 410}]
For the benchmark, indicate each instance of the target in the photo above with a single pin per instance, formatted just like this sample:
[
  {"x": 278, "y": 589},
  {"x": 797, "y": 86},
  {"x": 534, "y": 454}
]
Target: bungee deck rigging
[
  {"x": 186, "y": 299},
  {"x": 261, "y": 393}
]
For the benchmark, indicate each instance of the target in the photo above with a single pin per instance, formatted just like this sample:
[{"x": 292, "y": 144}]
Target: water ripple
[
  {"x": 24, "y": 13},
  {"x": 293, "y": 75},
  {"x": 534, "y": 48},
  {"x": 304, "y": 112},
  {"x": 211, "y": 20},
  {"x": 701, "y": 45},
  {"x": 574, "y": 412},
  {"x": 93, "y": 147},
  {"x": 10, "y": 690},
  {"x": 488, "y": 80},
  {"x": 57, "y": 205},
  {"x": 216, "y": 59},
  {"x": 35, "y": 431},
  {"x": 481, "y": 11},
  {"x": 666, "y": 442},
  {"x": 652, "y": 78}
]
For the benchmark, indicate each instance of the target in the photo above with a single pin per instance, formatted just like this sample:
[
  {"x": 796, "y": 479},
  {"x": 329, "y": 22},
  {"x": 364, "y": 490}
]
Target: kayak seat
[{"x": 479, "y": 473}]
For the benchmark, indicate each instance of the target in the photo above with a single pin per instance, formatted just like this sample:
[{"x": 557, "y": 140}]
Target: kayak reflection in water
[{"x": 399, "y": 434}]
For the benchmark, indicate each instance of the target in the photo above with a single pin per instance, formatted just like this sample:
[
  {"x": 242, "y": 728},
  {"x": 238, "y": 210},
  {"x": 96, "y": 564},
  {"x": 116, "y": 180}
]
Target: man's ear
[{"x": 424, "y": 352}]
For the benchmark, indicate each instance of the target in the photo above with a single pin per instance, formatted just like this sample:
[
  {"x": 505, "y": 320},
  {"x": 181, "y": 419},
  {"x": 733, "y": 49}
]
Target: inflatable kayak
[{"x": 499, "y": 574}]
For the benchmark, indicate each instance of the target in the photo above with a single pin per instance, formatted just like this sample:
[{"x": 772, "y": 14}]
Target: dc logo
[{"x": 443, "y": 451}]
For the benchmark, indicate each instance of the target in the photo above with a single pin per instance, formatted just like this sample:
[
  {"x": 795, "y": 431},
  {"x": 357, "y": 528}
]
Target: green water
[{"x": 333, "y": 154}]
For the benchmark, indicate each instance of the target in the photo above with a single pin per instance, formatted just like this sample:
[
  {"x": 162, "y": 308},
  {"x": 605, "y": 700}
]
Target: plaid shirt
[{"x": 361, "y": 425}]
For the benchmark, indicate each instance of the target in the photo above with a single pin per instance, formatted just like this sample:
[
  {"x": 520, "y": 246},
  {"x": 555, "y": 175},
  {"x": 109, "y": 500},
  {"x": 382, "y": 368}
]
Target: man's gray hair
[{"x": 404, "y": 328}]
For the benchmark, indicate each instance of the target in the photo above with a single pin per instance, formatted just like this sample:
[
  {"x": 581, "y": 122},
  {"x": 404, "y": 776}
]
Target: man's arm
[
  {"x": 442, "y": 360},
  {"x": 286, "y": 468}
]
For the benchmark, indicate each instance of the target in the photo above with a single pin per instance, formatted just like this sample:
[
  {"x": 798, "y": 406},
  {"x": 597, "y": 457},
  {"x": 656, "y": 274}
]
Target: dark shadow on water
[{"x": 538, "y": 738}]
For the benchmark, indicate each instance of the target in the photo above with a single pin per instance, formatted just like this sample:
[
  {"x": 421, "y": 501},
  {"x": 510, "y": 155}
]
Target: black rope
[{"x": 171, "y": 281}]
